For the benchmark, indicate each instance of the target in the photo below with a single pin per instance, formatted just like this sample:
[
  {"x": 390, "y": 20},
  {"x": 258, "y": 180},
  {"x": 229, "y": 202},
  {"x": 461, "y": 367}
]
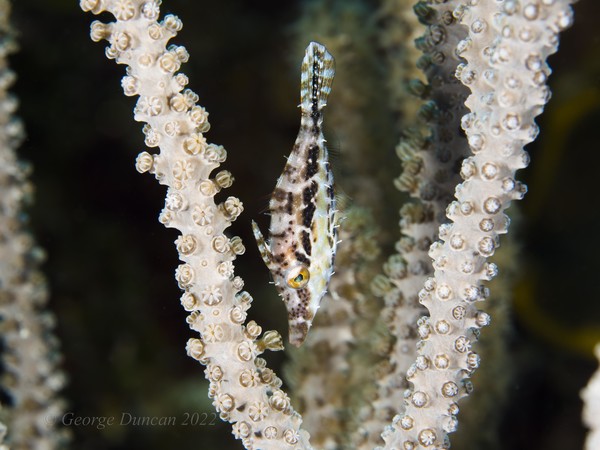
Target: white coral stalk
[
  {"x": 591, "y": 407},
  {"x": 430, "y": 155},
  {"x": 30, "y": 349},
  {"x": 506, "y": 70},
  {"x": 244, "y": 391}
]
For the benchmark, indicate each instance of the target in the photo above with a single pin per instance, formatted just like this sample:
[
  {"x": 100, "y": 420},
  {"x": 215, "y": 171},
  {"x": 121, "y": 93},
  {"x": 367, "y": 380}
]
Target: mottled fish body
[{"x": 302, "y": 237}]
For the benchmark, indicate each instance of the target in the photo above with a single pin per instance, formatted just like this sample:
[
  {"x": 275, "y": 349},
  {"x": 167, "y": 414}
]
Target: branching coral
[
  {"x": 30, "y": 350},
  {"x": 591, "y": 409},
  {"x": 505, "y": 52},
  {"x": 429, "y": 153},
  {"x": 244, "y": 391}
]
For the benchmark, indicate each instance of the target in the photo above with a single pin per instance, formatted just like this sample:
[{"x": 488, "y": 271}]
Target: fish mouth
[{"x": 298, "y": 332}]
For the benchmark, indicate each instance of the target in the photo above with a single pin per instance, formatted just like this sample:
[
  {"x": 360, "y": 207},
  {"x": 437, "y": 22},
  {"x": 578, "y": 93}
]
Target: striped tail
[{"x": 318, "y": 70}]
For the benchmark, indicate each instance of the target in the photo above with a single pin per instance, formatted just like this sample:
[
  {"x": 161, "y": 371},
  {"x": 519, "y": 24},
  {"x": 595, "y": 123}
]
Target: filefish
[{"x": 302, "y": 241}]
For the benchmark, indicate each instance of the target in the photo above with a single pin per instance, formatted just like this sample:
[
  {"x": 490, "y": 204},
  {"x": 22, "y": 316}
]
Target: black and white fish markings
[{"x": 302, "y": 236}]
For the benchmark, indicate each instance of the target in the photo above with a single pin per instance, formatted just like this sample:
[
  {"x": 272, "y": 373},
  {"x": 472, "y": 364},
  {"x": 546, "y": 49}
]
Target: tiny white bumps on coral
[
  {"x": 175, "y": 125},
  {"x": 591, "y": 409}
]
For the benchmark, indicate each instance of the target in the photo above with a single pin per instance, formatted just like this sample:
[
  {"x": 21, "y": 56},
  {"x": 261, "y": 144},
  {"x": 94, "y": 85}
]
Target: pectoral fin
[{"x": 263, "y": 248}]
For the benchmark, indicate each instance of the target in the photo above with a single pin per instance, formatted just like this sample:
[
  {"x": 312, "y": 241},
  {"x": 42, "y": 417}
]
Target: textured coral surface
[{"x": 111, "y": 263}]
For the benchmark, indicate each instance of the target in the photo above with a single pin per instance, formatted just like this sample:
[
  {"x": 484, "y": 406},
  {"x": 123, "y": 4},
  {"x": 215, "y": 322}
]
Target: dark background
[{"x": 110, "y": 263}]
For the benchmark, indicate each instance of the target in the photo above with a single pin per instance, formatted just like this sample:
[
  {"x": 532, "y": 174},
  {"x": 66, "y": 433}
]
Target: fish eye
[{"x": 297, "y": 277}]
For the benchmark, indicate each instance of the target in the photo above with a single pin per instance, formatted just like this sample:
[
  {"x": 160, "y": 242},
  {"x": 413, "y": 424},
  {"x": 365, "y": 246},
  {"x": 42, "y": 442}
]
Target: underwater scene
[{"x": 301, "y": 275}]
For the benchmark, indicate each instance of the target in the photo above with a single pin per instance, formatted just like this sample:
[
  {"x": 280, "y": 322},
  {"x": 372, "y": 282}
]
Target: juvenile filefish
[{"x": 302, "y": 237}]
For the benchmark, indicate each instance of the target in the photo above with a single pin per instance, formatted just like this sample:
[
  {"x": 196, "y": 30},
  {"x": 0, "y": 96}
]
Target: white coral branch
[
  {"x": 506, "y": 51},
  {"x": 591, "y": 408},
  {"x": 244, "y": 391}
]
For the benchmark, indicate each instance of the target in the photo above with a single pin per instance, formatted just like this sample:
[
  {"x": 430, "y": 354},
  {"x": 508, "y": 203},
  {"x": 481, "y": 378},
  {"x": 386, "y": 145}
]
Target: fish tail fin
[{"x": 318, "y": 70}]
